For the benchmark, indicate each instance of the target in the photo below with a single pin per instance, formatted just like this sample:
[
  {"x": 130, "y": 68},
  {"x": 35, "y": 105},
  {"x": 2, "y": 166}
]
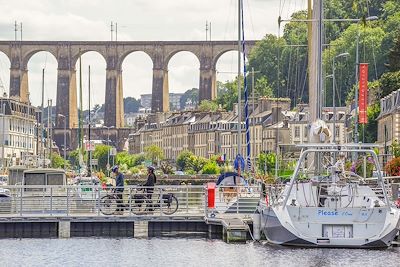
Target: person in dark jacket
[
  {"x": 119, "y": 190},
  {"x": 149, "y": 185}
]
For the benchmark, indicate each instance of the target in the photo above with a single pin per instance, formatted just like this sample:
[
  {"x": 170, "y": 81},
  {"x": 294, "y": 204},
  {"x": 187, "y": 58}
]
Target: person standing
[
  {"x": 119, "y": 190},
  {"x": 149, "y": 186}
]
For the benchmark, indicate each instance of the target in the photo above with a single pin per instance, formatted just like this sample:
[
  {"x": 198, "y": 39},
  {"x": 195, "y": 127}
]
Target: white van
[
  {"x": 43, "y": 178},
  {"x": 47, "y": 193}
]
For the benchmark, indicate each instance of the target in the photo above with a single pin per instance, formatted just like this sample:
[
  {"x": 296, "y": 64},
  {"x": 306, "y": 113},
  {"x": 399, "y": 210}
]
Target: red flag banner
[{"x": 363, "y": 94}]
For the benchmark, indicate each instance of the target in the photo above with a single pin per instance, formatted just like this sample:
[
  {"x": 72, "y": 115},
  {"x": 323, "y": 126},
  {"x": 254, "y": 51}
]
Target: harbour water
[{"x": 180, "y": 252}]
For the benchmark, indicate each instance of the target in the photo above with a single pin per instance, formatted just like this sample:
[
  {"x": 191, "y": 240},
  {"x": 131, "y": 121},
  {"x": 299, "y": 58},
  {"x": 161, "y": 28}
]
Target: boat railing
[
  {"x": 322, "y": 146},
  {"x": 331, "y": 152},
  {"x": 326, "y": 195}
]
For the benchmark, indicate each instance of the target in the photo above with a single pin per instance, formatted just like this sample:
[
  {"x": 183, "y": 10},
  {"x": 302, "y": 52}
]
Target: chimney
[{"x": 276, "y": 114}]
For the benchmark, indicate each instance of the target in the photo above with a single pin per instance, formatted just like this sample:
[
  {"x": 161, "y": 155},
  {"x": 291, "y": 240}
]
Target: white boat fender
[{"x": 257, "y": 226}]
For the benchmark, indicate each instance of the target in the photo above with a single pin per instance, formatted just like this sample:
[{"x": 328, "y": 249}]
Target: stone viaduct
[{"x": 68, "y": 52}]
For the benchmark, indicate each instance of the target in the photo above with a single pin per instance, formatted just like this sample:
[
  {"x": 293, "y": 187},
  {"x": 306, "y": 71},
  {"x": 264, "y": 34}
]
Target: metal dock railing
[{"x": 95, "y": 201}]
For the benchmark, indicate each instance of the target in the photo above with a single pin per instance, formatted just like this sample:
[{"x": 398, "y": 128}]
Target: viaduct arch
[{"x": 68, "y": 52}]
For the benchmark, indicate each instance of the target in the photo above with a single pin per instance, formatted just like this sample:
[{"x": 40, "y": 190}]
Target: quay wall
[{"x": 97, "y": 228}]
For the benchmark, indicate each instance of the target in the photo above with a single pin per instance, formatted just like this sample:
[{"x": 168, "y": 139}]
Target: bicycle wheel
[
  {"x": 108, "y": 205},
  {"x": 169, "y": 208},
  {"x": 138, "y": 205}
]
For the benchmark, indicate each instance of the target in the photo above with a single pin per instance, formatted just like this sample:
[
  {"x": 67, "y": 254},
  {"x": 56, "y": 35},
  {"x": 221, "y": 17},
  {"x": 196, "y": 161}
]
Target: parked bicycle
[
  {"x": 139, "y": 203},
  {"x": 108, "y": 203}
]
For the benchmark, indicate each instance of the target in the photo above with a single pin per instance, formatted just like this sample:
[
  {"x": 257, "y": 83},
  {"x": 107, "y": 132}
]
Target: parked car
[{"x": 3, "y": 179}]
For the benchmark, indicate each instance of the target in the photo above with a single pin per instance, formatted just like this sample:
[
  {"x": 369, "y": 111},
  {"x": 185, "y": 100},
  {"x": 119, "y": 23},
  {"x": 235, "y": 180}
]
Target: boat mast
[
  {"x": 309, "y": 40},
  {"x": 315, "y": 61},
  {"x": 239, "y": 106},
  {"x": 80, "y": 131},
  {"x": 42, "y": 149},
  {"x": 89, "y": 125}
]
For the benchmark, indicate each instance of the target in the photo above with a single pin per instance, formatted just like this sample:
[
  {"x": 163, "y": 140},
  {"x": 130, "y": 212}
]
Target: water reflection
[{"x": 180, "y": 252}]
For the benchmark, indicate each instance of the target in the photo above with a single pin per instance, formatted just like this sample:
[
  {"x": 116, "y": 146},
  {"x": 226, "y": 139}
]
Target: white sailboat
[{"x": 323, "y": 205}]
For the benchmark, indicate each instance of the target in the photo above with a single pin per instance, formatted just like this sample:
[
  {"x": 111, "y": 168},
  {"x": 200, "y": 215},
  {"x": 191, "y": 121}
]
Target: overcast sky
[{"x": 137, "y": 20}]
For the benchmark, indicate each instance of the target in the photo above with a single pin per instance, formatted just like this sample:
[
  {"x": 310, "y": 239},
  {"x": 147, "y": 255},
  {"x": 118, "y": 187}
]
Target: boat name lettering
[
  {"x": 327, "y": 213},
  {"x": 333, "y": 213}
]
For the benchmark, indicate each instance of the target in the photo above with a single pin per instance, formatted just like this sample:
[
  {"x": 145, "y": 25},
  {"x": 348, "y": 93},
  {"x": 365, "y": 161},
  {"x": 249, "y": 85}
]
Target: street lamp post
[
  {"x": 65, "y": 139},
  {"x": 3, "y": 113},
  {"x": 27, "y": 131},
  {"x": 108, "y": 149},
  {"x": 356, "y": 77}
]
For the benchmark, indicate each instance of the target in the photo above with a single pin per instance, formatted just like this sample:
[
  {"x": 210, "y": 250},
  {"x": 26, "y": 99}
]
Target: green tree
[
  {"x": 395, "y": 149},
  {"x": 293, "y": 60},
  {"x": 128, "y": 159},
  {"x": 264, "y": 58},
  {"x": 123, "y": 158},
  {"x": 368, "y": 132},
  {"x": 389, "y": 82},
  {"x": 73, "y": 157},
  {"x": 263, "y": 88},
  {"x": 58, "y": 162},
  {"x": 211, "y": 167},
  {"x": 101, "y": 154},
  {"x": 374, "y": 92},
  {"x": 131, "y": 104},
  {"x": 154, "y": 153},
  {"x": 390, "y": 22},
  {"x": 370, "y": 49},
  {"x": 196, "y": 163},
  {"x": 266, "y": 162},
  {"x": 191, "y": 96},
  {"x": 208, "y": 106},
  {"x": 138, "y": 160},
  {"x": 227, "y": 94},
  {"x": 182, "y": 161},
  {"x": 394, "y": 56}
]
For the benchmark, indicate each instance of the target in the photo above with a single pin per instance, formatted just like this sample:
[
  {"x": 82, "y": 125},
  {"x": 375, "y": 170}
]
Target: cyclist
[
  {"x": 149, "y": 185},
  {"x": 119, "y": 190}
]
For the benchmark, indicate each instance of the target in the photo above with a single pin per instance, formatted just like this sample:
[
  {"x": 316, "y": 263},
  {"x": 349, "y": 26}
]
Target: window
[
  {"x": 55, "y": 179},
  {"x": 337, "y": 131},
  {"x": 305, "y": 131},
  {"x": 297, "y": 131},
  {"x": 34, "y": 179}
]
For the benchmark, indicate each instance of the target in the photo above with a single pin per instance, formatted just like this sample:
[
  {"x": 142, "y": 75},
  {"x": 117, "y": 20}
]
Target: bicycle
[
  {"x": 109, "y": 203},
  {"x": 140, "y": 203}
]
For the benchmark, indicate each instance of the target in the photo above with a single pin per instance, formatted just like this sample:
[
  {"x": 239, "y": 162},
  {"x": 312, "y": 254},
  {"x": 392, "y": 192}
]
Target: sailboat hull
[{"x": 279, "y": 229}]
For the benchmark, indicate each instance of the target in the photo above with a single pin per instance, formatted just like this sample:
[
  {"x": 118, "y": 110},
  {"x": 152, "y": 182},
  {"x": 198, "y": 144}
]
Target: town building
[
  {"x": 174, "y": 101},
  {"x": 145, "y": 100},
  {"x": 17, "y": 132},
  {"x": 298, "y": 124},
  {"x": 272, "y": 126},
  {"x": 389, "y": 123},
  {"x": 214, "y": 133}
]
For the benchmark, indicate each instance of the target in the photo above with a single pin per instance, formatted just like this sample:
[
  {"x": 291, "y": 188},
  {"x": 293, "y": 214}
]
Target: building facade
[
  {"x": 298, "y": 124},
  {"x": 145, "y": 100},
  {"x": 174, "y": 101},
  {"x": 18, "y": 132},
  {"x": 214, "y": 133},
  {"x": 389, "y": 123},
  {"x": 272, "y": 126}
]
